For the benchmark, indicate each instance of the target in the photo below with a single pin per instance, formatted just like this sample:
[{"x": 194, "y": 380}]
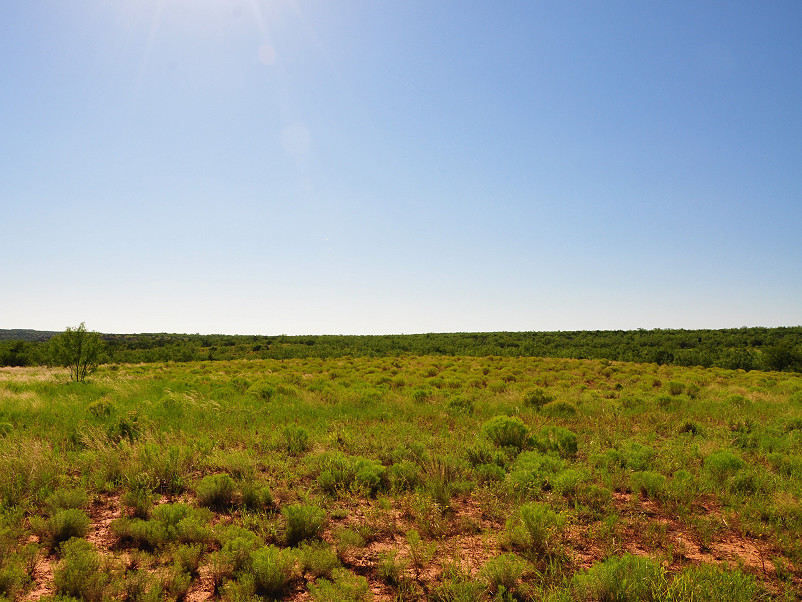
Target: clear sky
[{"x": 364, "y": 166}]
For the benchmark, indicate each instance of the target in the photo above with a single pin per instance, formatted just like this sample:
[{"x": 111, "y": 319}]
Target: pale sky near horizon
[{"x": 367, "y": 167}]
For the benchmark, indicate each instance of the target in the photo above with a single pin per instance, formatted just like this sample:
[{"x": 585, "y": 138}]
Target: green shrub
[
  {"x": 216, "y": 491},
  {"x": 302, "y": 522},
  {"x": 186, "y": 558},
  {"x": 675, "y": 388},
  {"x": 391, "y": 568},
  {"x": 482, "y": 453},
  {"x": 13, "y": 578},
  {"x": 461, "y": 405},
  {"x": 620, "y": 579},
  {"x": 80, "y": 574},
  {"x": 533, "y": 471},
  {"x": 403, "y": 476},
  {"x": 340, "y": 473},
  {"x": 66, "y": 524},
  {"x": 648, "y": 483},
  {"x": 637, "y": 457},
  {"x": 559, "y": 409},
  {"x": 502, "y": 574},
  {"x": 723, "y": 464},
  {"x": 558, "y": 439},
  {"x": 534, "y": 530},
  {"x": 67, "y": 498},
  {"x": 272, "y": 570},
  {"x": 169, "y": 523},
  {"x": 255, "y": 496},
  {"x": 345, "y": 587},
  {"x": 486, "y": 473},
  {"x": 139, "y": 501},
  {"x": 296, "y": 439},
  {"x": 537, "y": 398},
  {"x": 506, "y": 431},
  {"x": 101, "y": 407},
  {"x": 711, "y": 583},
  {"x": 318, "y": 558},
  {"x": 262, "y": 391},
  {"x": 568, "y": 483}
]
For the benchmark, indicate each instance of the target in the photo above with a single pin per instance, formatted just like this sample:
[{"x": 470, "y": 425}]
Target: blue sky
[{"x": 288, "y": 166}]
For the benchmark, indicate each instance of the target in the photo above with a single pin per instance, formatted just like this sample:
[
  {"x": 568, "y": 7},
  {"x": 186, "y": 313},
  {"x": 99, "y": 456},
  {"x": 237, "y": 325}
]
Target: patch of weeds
[
  {"x": 557, "y": 439},
  {"x": 302, "y": 522},
  {"x": 318, "y": 558},
  {"x": 272, "y": 570},
  {"x": 534, "y": 530},
  {"x": 533, "y": 471},
  {"x": 723, "y": 464},
  {"x": 61, "y": 526},
  {"x": 502, "y": 575},
  {"x": 648, "y": 483},
  {"x": 537, "y": 398},
  {"x": 254, "y": 496},
  {"x": 296, "y": 440},
  {"x": 420, "y": 552},
  {"x": 637, "y": 457},
  {"x": 67, "y": 498},
  {"x": 340, "y": 474},
  {"x": 428, "y": 515},
  {"x": 344, "y": 587},
  {"x": 403, "y": 476},
  {"x": 139, "y": 502},
  {"x": 559, "y": 409},
  {"x": 506, "y": 431},
  {"x": 623, "y": 578},
  {"x": 216, "y": 491},
  {"x": 675, "y": 388},
  {"x": 456, "y": 586},
  {"x": 168, "y": 523},
  {"x": 712, "y": 583},
  {"x": 177, "y": 583},
  {"x": 460, "y": 405},
  {"x": 81, "y": 573},
  {"x": 390, "y": 568},
  {"x": 186, "y": 558},
  {"x": 348, "y": 540}
]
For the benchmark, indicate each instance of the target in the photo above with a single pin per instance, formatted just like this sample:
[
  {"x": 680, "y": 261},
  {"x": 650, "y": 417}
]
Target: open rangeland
[{"x": 401, "y": 478}]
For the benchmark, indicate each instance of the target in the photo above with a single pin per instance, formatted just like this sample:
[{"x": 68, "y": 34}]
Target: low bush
[
  {"x": 559, "y": 409},
  {"x": 535, "y": 530},
  {"x": 506, "y": 431},
  {"x": 318, "y": 558},
  {"x": 344, "y": 587},
  {"x": 216, "y": 491},
  {"x": 67, "y": 498},
  {"x": 620, "y": 578},
  {"x": 502, "y": 575},
  {"x": 723, "y": 464},
  {"x": 302, "y": 522},
  {"x": 272, "y": 570},
  {"x": 537, "y": 398},
  {"x": 648, "y": 483},
  {"x": 296, "y": 439},
  {"x": 712, "y": 583},
  {"x": 81, "y": 573}
]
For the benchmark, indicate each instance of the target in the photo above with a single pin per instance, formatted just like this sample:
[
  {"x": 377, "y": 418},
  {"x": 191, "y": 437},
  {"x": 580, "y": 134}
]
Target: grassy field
[{"x": 409, "y": 478}]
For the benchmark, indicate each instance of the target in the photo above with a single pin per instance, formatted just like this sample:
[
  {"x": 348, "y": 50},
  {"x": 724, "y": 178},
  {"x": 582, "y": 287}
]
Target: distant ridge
[{"x": 26, "y": 334}]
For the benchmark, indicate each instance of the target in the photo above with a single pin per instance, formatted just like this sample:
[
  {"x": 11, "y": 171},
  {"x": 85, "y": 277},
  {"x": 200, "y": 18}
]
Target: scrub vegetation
[{"x": 407, "y": 477}]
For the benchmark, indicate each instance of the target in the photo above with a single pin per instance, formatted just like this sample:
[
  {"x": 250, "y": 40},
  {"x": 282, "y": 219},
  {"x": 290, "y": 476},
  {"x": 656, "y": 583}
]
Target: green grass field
[{"x": 408, "y": 478}]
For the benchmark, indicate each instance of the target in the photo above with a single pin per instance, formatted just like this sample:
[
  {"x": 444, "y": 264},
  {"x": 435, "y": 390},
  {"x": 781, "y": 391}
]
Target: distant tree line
[{"x": 736, "y": 348}]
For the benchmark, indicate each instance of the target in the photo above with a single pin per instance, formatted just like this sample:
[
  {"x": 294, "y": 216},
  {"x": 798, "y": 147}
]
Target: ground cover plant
[{"x": 400, "y": 478}]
